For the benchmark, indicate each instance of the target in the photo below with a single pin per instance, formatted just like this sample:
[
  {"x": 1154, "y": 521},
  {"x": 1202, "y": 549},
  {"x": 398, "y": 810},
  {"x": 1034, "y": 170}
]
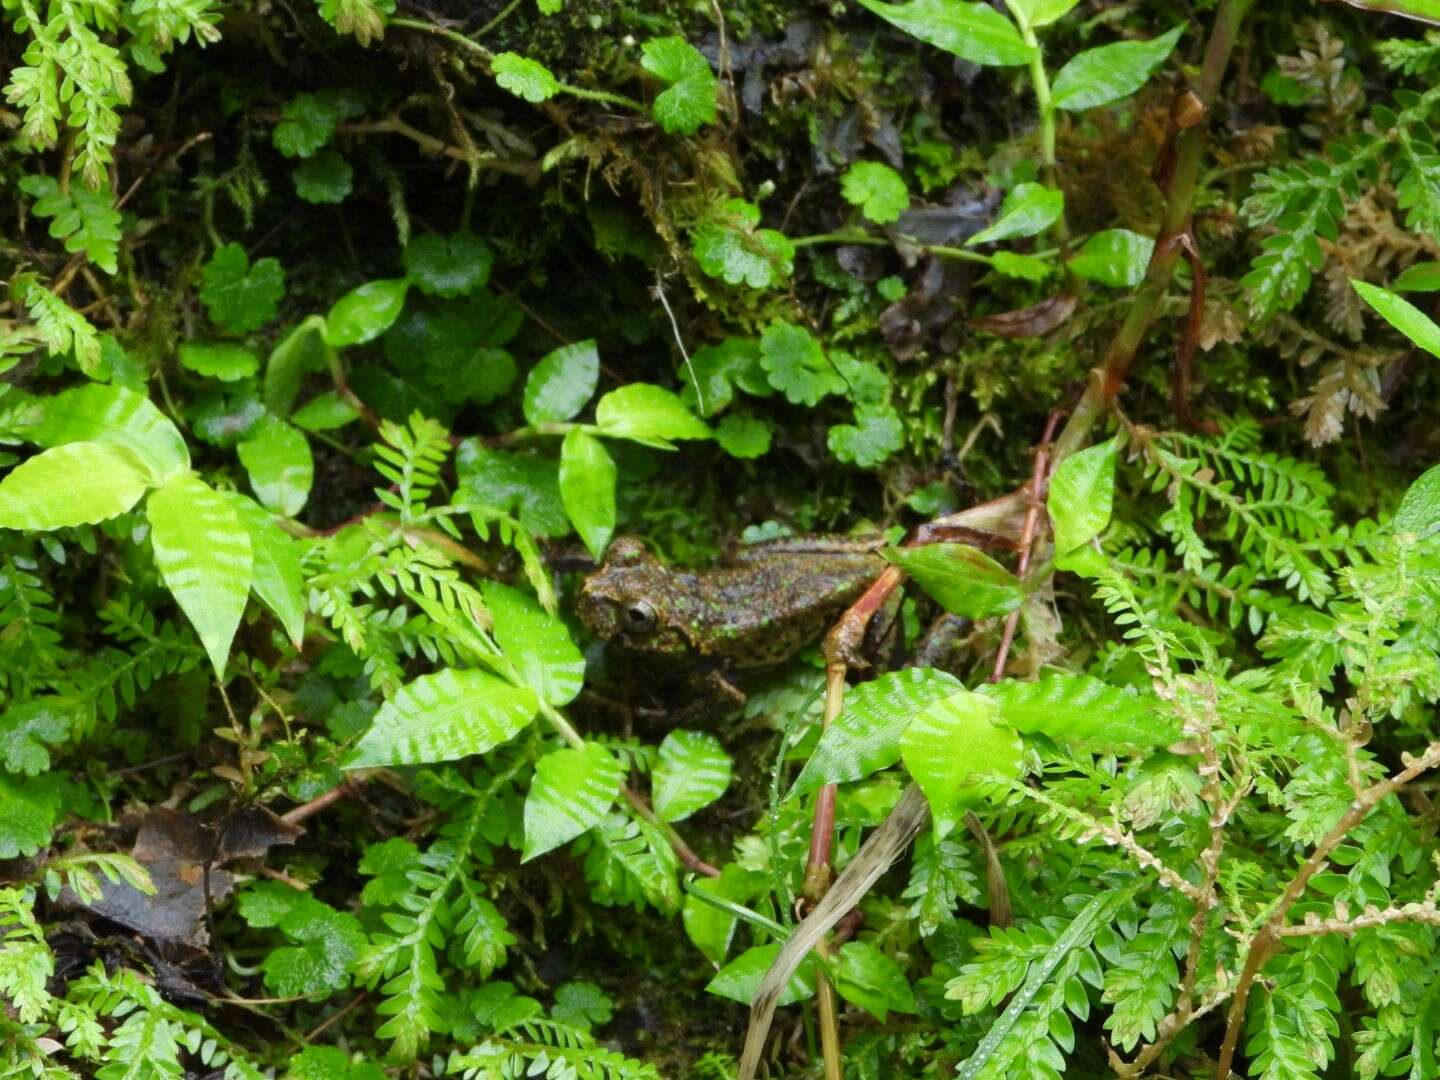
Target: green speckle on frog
[{"x": 760, "y": 608}]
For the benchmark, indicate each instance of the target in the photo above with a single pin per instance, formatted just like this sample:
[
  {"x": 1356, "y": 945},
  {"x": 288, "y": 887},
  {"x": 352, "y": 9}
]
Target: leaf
[
  {"x": 1422, "y": 277},
  {"x": 509, "y": 482},
  {"x": 1419, "y": 511},
  {"x": 974, "y": 32},
  {"x": 223, "y": 360},
  {"x": 525, "y": 78},
  {"x": 26, "y": 819},
  {"x": 444, "y": 716},
  {"x": 796, "y": 364},
  {"x": 865, "y": 737},
  {"x": 1082, "y": 710},
  {"x": 647, "y": 414},
  {"x": 572, "y": 791},
  {"x": 729, "y": 246},
  {"x": 739, "y": 979},
  {"x": 1426, "y": 11},
  {"x": 960, "y": 578},
  {"x": 1029, "y": 208},
  {"x": 203, "y": 553},
  {"x": 951, "y": 746},
  {"x": 865, "y": 976},
  {"x": 536, "y": 643},
  {"x": 717, "y": 371},
  {"x": 325, "y": 179},
  {"x": 277, "y": 457},
  {"x": 1037, "y": 13},
  {"x": 743, "y": 436},
  {"x": 365, "y": 312},
  {"x": 1106, "y": 74},
  {"x": 708, "y": 927},
  {"x": 876, "y": 434},
  {"x": 279, "y": 582},
  {"x": 85, "y": 219},
  {"x": 241, "y": 297},
  {"x": 693, "y": 771},
  {"x": 28, "y": 727},
  {"x": 448, "y": 266},
  {"x": 325, "y": 411},
  {"x": 80, "y": 483},
  {"x": 328, "y": 941},
  {"x": 877, "y": 189},
  {"x": 587, "y": 488},
  {"x": 1026, "y": 267},
  {"x": 1082, "y": 492},
  {"x": 1114, "y": 257},
  {"x": 690, "y": 100},
  {"x": 302, "y": 350},
  {"x": 1402, "y": 315},
  {"x": 583, "y": 1005},
  {"x": 118, "y": 417},
  {"x": 308, "y": 121},
  {"x": 561, "y": 383}
]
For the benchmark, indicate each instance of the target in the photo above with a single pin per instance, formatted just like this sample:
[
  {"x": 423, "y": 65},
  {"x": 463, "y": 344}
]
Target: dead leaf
[{"x": 1036, "y": 320}]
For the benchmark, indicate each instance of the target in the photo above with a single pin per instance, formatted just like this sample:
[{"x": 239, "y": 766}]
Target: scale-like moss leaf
[
  {"x": 203, "y": 552},
  {"x": 445, "y": 716}
]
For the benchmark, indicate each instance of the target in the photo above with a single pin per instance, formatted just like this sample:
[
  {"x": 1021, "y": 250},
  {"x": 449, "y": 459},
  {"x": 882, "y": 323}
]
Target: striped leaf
[
  {"x": 112, "y": 414},
  {"x": 76, "y": 484},
  {"x": 1081, "y": 709},
  {"x": 203, "y": 552},
  {"x": 536, "y": 643},
  {"x": 693, "y": 771},
  {"x": 951, "y": 747},
  {"x": 277, "y": 457},
  {"x": 445, "y": 716},
  {"x": 279, "y": 583},
  {"x": 572, "y": 791}
]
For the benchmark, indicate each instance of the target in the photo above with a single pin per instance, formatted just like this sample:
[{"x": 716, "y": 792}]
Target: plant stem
[{"x": 870, "y": 240}]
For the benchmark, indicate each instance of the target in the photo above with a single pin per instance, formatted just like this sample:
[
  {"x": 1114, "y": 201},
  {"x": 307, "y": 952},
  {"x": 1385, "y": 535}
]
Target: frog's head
[{"x": 626, "y": 601}]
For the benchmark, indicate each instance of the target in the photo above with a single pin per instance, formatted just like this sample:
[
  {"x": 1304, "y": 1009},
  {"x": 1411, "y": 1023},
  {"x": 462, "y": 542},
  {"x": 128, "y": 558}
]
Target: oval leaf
[
  {"x": 203, "y": 552},
  {"x": 79, "y": 483},
  {"x": 1114, "y": 257},
  {"x": 1082, "y": 493},
  {"x": 1419, "y": 511},
  {"x": 950, "y": 747},
  {"x": 562, "y": 382},
  {"x": 960, "y": 578},
  {"x": 1081, "y": 709},
  {"x": 278, "y": 582},
  {"x": 572, "y": 791},
  {"x": 1110, "y": 72},
  {"x": 648, "y": 414},
  {"x": 974, "y": 32},
  {"x": 587, "y": 488},
  {"x": 536, "y": 643},
  {"x": 365, "y": 312},
  {"x": 1028, "y": 209},
  {"x": 693, "y": 771},
  {"x": 1402, "y": 315},
  {"x": 447, "y": 715},
  {"x": 739, "y": 979},
  {"x": 277, "y": 457},
  {"x": 112, "y": 414}
]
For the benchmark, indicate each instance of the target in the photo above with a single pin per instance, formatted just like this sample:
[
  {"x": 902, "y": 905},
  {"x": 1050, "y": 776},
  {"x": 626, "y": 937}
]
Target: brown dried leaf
[{"x": 1033, "y": 321}]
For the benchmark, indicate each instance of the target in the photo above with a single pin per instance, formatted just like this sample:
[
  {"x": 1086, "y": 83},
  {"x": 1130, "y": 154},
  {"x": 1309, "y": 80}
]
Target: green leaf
[
  {"x": 79, "y": 483},
  {"x": 583, "y": 1005},
  {"x": 974, "y": 32},
  {"x": 241, "y": 297},
  {"x": 960, "y": 578},
  {"x": 1029, "y": 208},
  {"x": 308, "y": 121},
  {"x": 300, "y": 351},
  {"x": 708, "y": 927},
  {"x": 330, "y": 1063},
  {"x": 717, "y": 371},
  {"x": 365, "y": 312},
  {"x": 1082, "y": 492},
  {"x": 1080, "y": 709},
  {"x": 876, "y": 434},
  {"x": 690, "y": 100},
  {"x": 325, "y": 179},
  {"x": 951, "y": 747},
  {"x": 743, "y": 436},
  {"x": 1037, "y": 13},
  {"x": 327, "y": 943},
  {"x": 587, "y": 488},
  {"x": 536, "y": 643},
  {"x": 1114, "y": 257},
  {"x": 1422, "y": 277},
  {"x": 865, "y": 737},
  {"x": 1402, "y": 315},
  {"x": 1025, "y": 267},
  {"x": 444, "y": 716},
  {"x": 118, "y": 417},
  {"x": 865, "y": 976},
  {"x": 739, "y": 979},
  {"x": 448, "y": 266},
  {"x": 1419, "y": 511},
  {"x": 277, "y": 457},
  {"x": 203, "y": 552},
  {"x": 877, "y": 189},
  {"x": 572, "y": 791},
  {"x": 731, "y": 247},
  {"x": 279, "y": 582},
  {"x": 1102, "y": 75},
  {"x": 324, "y": 412},
  {"x": 510, "y": 482},
  {"x": 523, "y": 77},
  {"x": 85, "y": 219},
  {"x": 561, "y": 383},
  {"x": 26, "y": 819},
  {"x": 796, "y": 364},
  {"x": 223, "y": 360},
  {"x": 647, "y": 414},
  {"x": 26, "y": 729},
  {"x": 693, "y": 771}
]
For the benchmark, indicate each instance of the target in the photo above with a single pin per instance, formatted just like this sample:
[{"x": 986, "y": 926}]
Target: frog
[{"x": 757, "y": 610}]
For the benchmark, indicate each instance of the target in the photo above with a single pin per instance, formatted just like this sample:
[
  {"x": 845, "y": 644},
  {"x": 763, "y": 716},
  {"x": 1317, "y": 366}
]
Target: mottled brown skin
[{"x": 762, "y": 608}]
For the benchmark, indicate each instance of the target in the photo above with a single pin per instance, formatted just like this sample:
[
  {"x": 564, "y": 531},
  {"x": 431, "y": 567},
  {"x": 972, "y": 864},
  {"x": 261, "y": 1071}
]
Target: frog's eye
[{"x": 638, "y": 617}]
